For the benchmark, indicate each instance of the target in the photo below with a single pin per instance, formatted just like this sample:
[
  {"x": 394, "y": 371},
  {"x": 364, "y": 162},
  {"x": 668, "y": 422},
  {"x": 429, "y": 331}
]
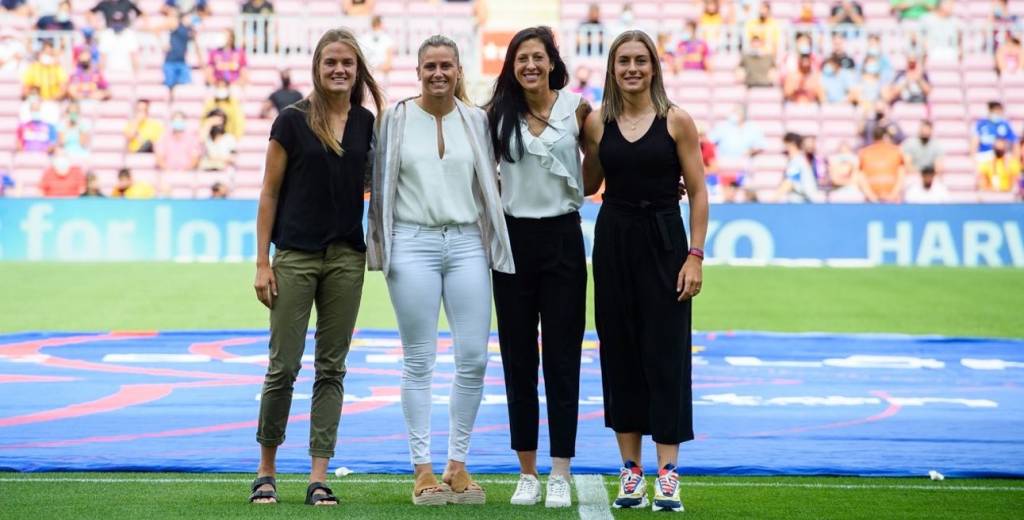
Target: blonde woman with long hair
[
  {"x": 645, "y": 273},
  {"x": 311, "y": 209},
  {"x": 436, "y": 228}
]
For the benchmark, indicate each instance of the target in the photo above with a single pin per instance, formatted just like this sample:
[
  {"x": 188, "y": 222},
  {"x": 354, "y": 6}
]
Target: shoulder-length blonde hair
[
  {"x": 315, "y": 105},
  {"x": 438, "y": 40},
  {"x": 612, "y": 104}
]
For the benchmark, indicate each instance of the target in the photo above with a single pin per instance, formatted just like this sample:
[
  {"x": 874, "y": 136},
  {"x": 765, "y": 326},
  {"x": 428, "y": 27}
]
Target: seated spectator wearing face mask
[
  {"x": 1000, "y": 173},
  {"x": 757, "y": 66},
  {"x": 62, "y": 178},
  {"x": 923, "y": 151},
  {"x": 34, "y": 134},
  {"x": 178, "y": 150},
  {"x": 59, "y": 21},
  {"x": 219, "y": 150},
  {"x": 224, "y": 101},
  {"x": 990, "y": 129},
  {"x": 129, "y": 188},
  {"x": 928, "y": 190},
  {"x": 46, "y": 74},
  {"x": 142, "y": 131},
  {"x": 834, "y": 83},
  {"x": 87, "y": 82}
]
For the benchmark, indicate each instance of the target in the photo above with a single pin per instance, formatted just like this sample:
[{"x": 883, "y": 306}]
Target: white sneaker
[
  {"x": 527, "y": 491},
  {"x": 559, "y": 492}
]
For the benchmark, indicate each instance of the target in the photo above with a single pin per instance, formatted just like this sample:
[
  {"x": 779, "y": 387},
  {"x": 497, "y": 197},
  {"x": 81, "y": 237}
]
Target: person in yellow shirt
[
  {"x": 46, "y": 74},
  {"x": 129, "y": 189},
  {"x": 764, "y": 27},
  {"x": 1000, "y": 173},
  {"x": 224, "y": 101},
  {"x": 142, "y": 131}
]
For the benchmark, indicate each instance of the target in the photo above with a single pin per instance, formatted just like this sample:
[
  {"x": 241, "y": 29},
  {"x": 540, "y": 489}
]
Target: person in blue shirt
[
  {"x": 176, "y": 69},
  {"x": 990, "y": 129},
  {"x": 835, "y": 81}
]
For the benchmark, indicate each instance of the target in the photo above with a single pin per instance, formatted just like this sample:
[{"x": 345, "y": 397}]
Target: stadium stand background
[{"x": 962, "y": 86}]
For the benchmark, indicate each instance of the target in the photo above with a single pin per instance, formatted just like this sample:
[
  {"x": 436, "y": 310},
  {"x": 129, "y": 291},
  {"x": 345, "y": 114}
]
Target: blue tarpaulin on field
[{"x": 764, "y": 403}]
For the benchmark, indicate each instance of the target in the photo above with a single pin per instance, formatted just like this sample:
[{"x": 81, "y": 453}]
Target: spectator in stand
[
  {"x": 35, "y": 107},
  {"x": 691, "y": 53},
  {"x": 804, "y": 85},
  {"x": 117, "y": 14},
  {"x": 18, "y": 8},
  {"x": 990, "y": 129},
  {"x": 707, "y": 150},
  {"x": 46, "y": 74},
  {"x": 880, "y": 169},
  {"x": 875, "y": 50},
  {"x": 142, "y": 131},
  {"x": 34, "y": 134},
  {"x": 798, "y": 182},
  {"x": 40, "y": 10},
  {"x": 590, "y": 34},
  {"x": 757, "y": 66},
  {"x": 1009, "y": 56},
  {"x": 92, "y": 186},
  {"x": 88, "y": 46},
  {"x": 737, "y": 138},
  {"x": 1000, "y": 172},
  {"x": 809, "y": 145},
  {"x": 362, "y": 8},
  {"x": 880, "y": 119},
  {"x": 847, "y": 63},
  {"x": 711, "y": 21},
  {"x": 62, "y": 178},
  {"x": 179, "y": 149},
  {"x": 765, "y": 27},
  {"x": 942, "y": 31},
  {"x": 176, "y": 68},
  {"x": 282, "y": 97},
  {"x": 87, "y": 82},
  {"x": 118, "y": 43},
  {"x": 581, "y": 85},
  {"x": 197, "y": 10},
  {"x": 912, "y": 10},
  {"x": 377, "y": 47},
  {"x": 227, "y": 63},
  {"x": 219, "y": 190},
  {"x": 842, "y": 166},
  {"x": 60, "y": 21},
  {"x": 218, "y": 150},
  {"x": 803, "y": 46},
  {"x": 928, "y": 190},
  {"x": 128, "y": 188},
  {"x": 259, "y": 30},
  {"x": 805, "y": 16},
  {"x": 12, "y": 50},
  {"x": 834, "y": 83},
  {"x": 224, "y": 101},
  {"x": 846, "y": 12},
  {"x": 923, "y": 151},
  {"x": 868, "y": 91},
  {"x": 75, "y": 133},
  {"x": 911, "y": 85}
]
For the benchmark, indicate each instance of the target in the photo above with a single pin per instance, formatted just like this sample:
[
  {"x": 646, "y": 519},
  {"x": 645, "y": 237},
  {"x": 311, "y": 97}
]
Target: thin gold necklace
[{"x": 632, "y": 125}]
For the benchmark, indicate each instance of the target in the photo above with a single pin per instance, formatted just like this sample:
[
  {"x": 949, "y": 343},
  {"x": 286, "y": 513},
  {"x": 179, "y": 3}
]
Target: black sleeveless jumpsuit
[{"x": 639, "y": 247}]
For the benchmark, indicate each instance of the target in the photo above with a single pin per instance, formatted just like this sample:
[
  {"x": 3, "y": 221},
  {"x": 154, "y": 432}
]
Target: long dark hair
[{"x": 508, "y": 103}]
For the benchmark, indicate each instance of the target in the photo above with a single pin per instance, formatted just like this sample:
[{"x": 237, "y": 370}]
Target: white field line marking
[
  {"x": 593, "y": 497},
  {"x": 511, "y": 481}
]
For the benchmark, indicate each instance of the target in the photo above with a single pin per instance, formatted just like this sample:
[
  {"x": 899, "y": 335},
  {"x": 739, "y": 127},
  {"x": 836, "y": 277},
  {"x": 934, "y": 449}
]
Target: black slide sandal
[
  {"x": 315, "y": 500},
  {"x": 258, "y": 494}
]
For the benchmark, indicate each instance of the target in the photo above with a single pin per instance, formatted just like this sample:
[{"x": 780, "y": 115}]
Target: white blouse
[
  {"x": 547, "y": 181},
  {"x": 435, "y": 191}
]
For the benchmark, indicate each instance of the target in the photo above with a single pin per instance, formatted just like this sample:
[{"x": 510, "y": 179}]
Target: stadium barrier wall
[{"x": 754, "y": 234}]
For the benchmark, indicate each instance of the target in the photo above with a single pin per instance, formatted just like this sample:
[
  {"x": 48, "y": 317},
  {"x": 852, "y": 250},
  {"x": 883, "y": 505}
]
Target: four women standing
[{"x": 438, "y": 226}]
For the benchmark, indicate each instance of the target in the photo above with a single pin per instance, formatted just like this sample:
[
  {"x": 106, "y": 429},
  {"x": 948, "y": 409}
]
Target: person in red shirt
[{"x": 61, "y": 178}]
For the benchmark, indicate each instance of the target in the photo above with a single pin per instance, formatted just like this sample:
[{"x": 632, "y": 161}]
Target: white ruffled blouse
[{"x": 547, "y": 181}]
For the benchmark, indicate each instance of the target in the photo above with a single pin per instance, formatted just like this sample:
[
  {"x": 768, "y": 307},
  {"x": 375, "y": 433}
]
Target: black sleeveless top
[
  {"x": 321, "y": 199},
  {"x": 643, "y": 172}
]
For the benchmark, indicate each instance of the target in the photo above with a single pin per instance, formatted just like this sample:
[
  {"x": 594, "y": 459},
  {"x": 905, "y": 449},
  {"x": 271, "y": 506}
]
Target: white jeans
[{"x": 430, "y": 265}]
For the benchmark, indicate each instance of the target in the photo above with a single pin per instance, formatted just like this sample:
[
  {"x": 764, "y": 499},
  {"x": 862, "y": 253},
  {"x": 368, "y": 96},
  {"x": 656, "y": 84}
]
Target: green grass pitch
[{"x": 150, "y": 296}]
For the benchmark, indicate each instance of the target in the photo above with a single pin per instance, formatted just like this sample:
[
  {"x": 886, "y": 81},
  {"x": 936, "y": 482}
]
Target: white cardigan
[{"x": 387, "y": 160}]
